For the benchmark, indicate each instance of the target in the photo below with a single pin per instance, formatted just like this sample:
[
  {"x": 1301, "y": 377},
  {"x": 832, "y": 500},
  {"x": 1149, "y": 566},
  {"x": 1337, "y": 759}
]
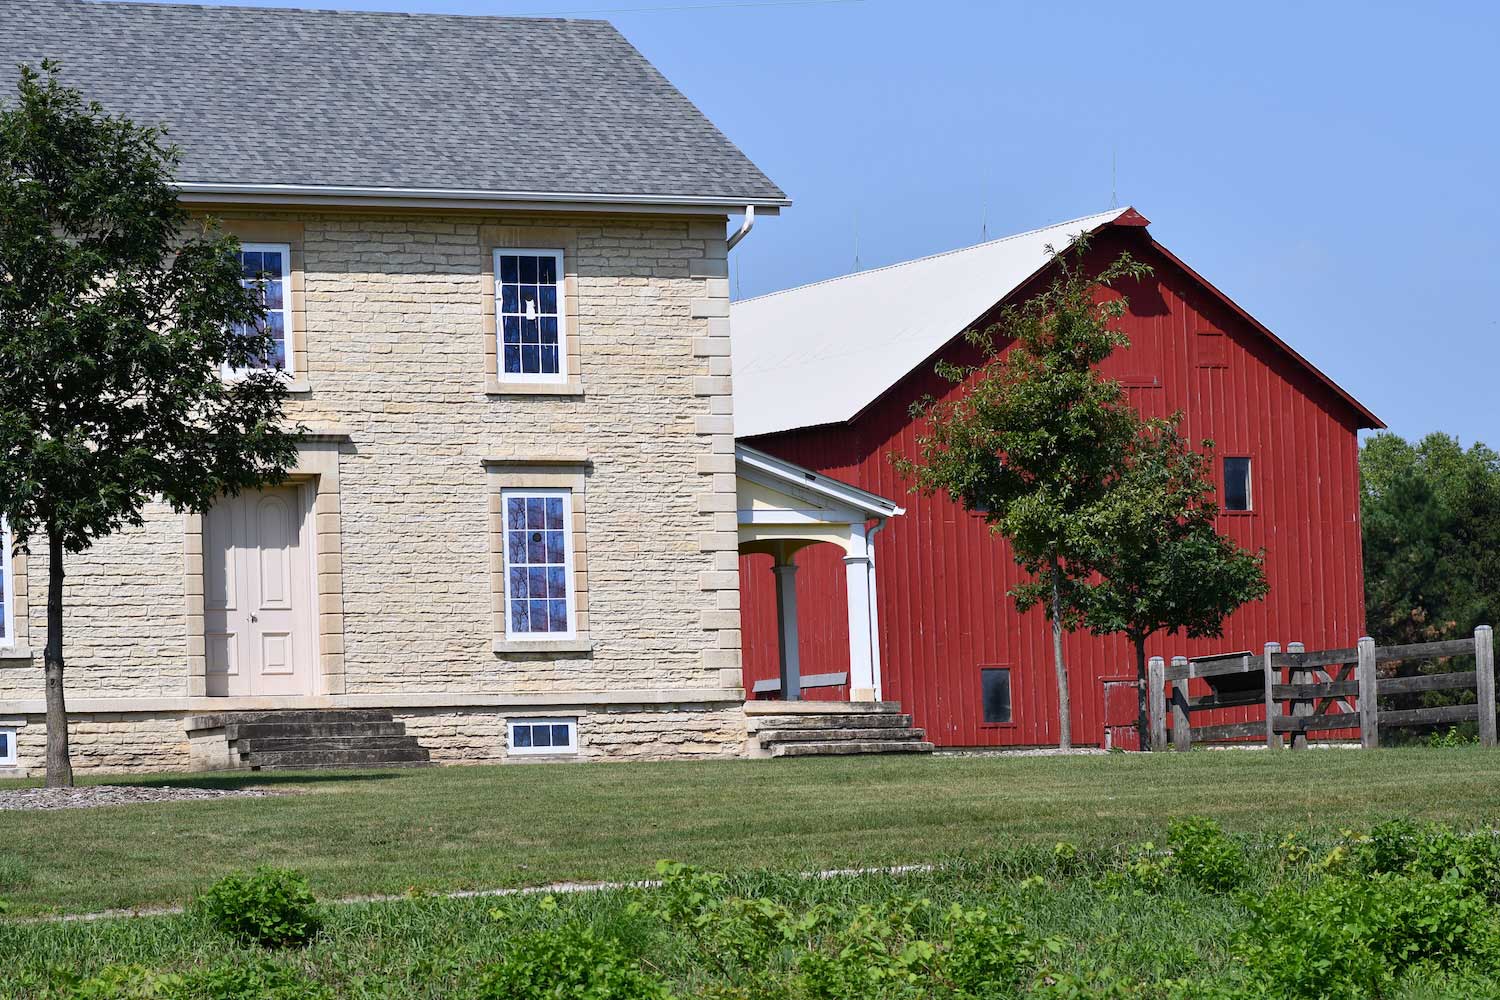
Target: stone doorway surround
[{"x": 317, "y": 464}]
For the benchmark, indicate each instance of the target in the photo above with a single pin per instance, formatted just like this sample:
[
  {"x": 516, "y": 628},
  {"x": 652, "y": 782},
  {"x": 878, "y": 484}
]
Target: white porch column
[
  {"x": 864, "y": 656},
  {"x": 786, "y": 627}
]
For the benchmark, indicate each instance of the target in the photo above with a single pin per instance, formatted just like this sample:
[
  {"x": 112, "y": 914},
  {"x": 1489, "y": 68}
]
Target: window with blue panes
[
  {"x": 267, "y": 269},
  {"x": 529, "y": 315},
  {"x": 538, "y": 553},
  {"x": 544, "y": 736}
]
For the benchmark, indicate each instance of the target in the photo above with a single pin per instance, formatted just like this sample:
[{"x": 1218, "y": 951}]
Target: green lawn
[{"x": 480, "y": 827}]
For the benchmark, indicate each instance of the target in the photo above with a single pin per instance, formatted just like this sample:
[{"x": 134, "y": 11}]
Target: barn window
[
  {"x": 8, "y": 755},
  {"x": 1237, "y": 484},
  {"x": 994, "y": 685}
]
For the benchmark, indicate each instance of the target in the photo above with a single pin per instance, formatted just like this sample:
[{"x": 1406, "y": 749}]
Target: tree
[
  {"x": 118, "y": 320},
  {"x": 1162, "y": 565},
  {"x": 1431, "y": 519},
  {"x": 1038, "y": 437}
]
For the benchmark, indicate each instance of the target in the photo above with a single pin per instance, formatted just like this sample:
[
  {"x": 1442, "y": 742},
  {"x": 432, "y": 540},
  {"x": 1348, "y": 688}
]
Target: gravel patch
[{"x": 89, "y": 796}]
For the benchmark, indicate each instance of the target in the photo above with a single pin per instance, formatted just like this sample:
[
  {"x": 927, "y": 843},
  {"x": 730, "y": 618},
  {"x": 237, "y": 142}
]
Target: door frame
[{"x": 316, "y": 474}]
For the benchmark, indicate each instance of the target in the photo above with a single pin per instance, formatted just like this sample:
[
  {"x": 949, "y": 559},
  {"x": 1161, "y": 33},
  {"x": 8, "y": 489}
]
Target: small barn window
[
  {"x": 8, "y": 748},
  {"x": 1237, "y": 484},
  {"x": 995, "y": 687},
  {"x": 543, "y": 736}
]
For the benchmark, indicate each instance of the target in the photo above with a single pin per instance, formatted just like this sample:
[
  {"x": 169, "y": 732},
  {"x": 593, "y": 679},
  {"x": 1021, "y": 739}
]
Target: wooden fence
[{"x": 1315, "y": 695}]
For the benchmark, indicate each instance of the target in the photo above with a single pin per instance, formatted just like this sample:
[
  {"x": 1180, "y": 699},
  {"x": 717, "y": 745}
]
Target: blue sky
[{"x": 1334, "y": 167}]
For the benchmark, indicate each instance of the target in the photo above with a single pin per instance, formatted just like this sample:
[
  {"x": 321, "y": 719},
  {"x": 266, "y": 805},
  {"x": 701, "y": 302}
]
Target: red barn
[{"x": 825, "y": 376}]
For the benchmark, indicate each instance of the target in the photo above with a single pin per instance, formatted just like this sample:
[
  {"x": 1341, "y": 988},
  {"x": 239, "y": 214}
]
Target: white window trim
[
  {"x": 285, "y": 249},
  {"x": 510, "y": 736},
  {"x": 9, "y": 639},
  {"x": 548, "y": 378},
  {"x": 567, "y": 498},
  {"x": 1249, "y": 484},
  {"x": 11, "y": 757}
]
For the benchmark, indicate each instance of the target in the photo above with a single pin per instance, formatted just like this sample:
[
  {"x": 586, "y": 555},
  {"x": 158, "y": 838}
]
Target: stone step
[
  {"x": 310, "y": 730},
  {"x": 337, "y": 758},
  {"x": 313, "y": 715},
  {"x": 771, "y": 737},
  {"x": 850, "y": 747},
  {"x": 842, "y": 721},
  {"x": 276, "y": 745}
]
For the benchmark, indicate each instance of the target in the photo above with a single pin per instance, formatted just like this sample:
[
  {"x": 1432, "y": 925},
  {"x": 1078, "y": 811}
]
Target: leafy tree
[
  {"x": 1162, "y": 565},
  {"x": 1431, "y": 516},
  {"x": 117, "y": 320},
  {"x": 1038, "y": 438}
]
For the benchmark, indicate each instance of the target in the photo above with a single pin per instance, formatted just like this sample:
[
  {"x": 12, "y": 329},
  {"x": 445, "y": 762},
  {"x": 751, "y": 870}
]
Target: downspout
[
  {"x": 871, "y": 616},
  {"x": 744, "y": 229}
]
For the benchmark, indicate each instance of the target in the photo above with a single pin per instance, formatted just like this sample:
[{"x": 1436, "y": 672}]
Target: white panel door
[{"x": 258, "y": 594}]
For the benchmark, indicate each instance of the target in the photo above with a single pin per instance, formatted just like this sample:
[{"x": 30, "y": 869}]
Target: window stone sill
[
  {"x": 298, "y": 386},
  {"x": 15, "y": 655},
  {"x": 494, "y": 387},
  {"x": 543, "y": 646}
]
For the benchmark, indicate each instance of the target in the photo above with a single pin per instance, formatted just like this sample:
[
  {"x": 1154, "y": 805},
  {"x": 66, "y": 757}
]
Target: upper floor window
[
  {"x": 1237, "y": 484},
  {"x": 529, "y": 315},
  {"x": 538, "y": 554},
  {"x": 267, "y": 268}
]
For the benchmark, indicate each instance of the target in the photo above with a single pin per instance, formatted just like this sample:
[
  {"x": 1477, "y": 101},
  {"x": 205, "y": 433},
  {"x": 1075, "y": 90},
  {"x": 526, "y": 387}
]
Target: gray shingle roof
[{"x": 341, "y": 99}]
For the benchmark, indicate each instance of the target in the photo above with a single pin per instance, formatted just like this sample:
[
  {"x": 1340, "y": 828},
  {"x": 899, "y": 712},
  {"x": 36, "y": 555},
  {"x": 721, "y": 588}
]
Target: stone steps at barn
[
  {"x": 826, "y": 728},
  {"x": 318, "y": 738}
]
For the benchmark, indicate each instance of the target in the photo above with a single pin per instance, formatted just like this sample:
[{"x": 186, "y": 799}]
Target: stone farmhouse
[{"x": 495, "y": 250}]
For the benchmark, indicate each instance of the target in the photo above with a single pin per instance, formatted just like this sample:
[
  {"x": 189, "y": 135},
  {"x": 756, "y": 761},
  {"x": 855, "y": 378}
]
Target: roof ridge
[
  {"x": 292, "y": 8},
  {"x": 931, "y": 256}
]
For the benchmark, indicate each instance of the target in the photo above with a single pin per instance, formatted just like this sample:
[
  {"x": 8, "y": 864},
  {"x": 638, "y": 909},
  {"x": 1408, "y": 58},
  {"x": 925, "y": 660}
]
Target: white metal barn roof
[{"x": 820, "y": 353}]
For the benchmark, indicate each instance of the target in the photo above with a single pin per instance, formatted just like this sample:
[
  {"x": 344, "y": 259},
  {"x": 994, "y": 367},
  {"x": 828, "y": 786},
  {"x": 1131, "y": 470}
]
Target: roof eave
[
  {"x": 834, "y": 489},
  {"x": 201, "y": 192}
]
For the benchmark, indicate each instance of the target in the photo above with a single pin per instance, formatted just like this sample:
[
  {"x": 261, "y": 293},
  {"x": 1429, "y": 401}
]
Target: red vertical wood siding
[{"x": 942, "y": 576}]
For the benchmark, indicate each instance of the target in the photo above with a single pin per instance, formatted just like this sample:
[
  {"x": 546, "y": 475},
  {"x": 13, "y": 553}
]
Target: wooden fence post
[
  {"x": 1301, "y": 707},
  {"x": 1484, "y": 674},
  {"x": 1156, "y": 669},
  {"x": 1369, "y": 704},
  {"x": 1182, "y": 732},
  {"x": 1272, "y": 675}
]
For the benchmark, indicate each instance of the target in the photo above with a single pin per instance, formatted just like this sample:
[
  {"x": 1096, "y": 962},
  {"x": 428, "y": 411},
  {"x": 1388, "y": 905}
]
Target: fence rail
[{"x": 1322, "y": 690}]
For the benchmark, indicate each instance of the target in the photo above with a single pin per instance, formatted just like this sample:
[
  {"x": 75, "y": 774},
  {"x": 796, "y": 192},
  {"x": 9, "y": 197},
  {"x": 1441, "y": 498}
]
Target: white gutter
[
  {"x": 745, "y": 228},
  {"x": 296, "y": 193}
]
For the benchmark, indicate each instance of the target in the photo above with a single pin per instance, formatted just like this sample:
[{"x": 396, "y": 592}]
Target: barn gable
[{"x": 822, "y": 353}]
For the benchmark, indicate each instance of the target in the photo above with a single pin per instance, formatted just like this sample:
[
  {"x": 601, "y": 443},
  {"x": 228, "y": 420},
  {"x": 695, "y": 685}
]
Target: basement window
[
  {"x": 543, "y": 736},
  {"x": 994, "y": 683},
  {"x": 7, "y": 748},
  {"x": 1237, "y": 484}
]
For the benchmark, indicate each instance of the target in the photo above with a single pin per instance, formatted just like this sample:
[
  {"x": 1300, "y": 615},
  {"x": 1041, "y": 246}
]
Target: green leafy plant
[
  {"x": 568, "y": 963},
  {"x": 271, "y": 907},
  {"x": 1206, "y": 856},
  {"x": 256, "y": 980}
]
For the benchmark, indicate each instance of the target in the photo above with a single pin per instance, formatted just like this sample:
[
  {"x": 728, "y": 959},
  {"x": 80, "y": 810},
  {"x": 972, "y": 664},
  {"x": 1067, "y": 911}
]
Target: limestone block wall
[
  {"x": 619, "y": 732},
  {"x": 393, "y": 324}
]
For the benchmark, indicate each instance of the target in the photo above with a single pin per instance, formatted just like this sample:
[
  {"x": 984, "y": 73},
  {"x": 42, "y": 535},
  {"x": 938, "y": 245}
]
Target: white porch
[{"x": 783, "y": 508}]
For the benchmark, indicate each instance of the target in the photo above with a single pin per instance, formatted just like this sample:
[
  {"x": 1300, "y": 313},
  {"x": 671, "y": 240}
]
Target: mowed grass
[{"x": 485, "y": 827}]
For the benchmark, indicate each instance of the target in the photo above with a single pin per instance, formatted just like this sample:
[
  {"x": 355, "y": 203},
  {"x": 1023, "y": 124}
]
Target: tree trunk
[
  {"x": 1064, "y": 701},
  {"x": 1142, "y": 703},
  {"x": 59, "y": 767}
]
